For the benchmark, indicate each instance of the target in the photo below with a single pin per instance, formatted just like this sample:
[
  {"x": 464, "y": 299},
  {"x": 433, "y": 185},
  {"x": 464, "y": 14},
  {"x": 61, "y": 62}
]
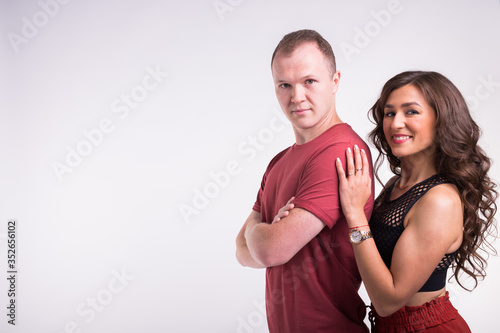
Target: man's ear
[{"x": 336, "y": 80}]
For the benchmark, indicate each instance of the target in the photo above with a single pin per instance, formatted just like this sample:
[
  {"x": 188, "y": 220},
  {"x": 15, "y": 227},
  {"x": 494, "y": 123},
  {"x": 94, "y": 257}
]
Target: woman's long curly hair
[{"x": 457, "y": 157}]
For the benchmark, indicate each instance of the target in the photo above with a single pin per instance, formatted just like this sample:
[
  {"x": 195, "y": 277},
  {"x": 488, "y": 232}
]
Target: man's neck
[{"x": 303, "y": 136}]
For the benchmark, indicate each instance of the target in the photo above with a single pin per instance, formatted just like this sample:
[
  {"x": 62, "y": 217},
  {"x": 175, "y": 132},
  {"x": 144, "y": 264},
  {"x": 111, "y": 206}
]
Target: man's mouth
[{"x": 300, "y": 112}]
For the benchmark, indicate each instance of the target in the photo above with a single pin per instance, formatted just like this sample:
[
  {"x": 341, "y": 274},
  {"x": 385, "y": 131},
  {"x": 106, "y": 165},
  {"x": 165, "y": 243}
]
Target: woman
[{"x": 435, "y": 212}]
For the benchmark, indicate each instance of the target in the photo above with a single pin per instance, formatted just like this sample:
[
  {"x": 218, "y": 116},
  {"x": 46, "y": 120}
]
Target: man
[{"x": 312, "y": 280}]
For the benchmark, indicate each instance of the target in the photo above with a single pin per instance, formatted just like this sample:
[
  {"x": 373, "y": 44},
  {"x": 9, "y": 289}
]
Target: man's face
[{"x": 305, "y": 88}]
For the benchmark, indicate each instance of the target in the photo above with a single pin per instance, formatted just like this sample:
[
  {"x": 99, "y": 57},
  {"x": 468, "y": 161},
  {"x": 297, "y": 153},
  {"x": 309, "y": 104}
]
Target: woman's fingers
[
  {"x": 366, "y": 164},
  {"x": 358, "y": 163},
  {"x": 340, "y": 169},
  {"x": 350, "y": 162}
]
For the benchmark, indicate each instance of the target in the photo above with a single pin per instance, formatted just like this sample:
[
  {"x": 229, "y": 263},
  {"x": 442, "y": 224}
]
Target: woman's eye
[
  {"x": 389, "y": 114},
  {"x": 412, "y": 112}
]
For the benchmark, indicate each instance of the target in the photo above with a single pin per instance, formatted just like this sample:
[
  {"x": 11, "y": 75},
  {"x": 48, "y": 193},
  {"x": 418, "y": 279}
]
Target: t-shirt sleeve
[
  {"x": 258, "y": 202},
  {"x": 318, "y": 190},
  {"x": 318, "y": 187}
]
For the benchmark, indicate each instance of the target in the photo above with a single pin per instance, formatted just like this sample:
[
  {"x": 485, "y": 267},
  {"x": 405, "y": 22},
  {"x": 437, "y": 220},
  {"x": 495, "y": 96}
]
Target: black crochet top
[{"x": 386, "y": 225}]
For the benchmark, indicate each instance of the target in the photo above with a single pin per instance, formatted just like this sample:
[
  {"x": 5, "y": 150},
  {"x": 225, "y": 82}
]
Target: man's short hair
[{"x": 294, "y": 39}]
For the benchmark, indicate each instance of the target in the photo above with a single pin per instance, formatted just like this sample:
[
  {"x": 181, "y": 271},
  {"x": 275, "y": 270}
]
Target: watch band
[{"x": 356, "y": 236}]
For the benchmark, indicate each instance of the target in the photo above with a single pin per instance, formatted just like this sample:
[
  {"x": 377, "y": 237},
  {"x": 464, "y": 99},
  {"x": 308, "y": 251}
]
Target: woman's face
[{"x": 409, "y": 123}]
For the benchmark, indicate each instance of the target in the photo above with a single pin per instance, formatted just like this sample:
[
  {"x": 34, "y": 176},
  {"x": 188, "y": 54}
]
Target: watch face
[{"x": 355, "y": 236}]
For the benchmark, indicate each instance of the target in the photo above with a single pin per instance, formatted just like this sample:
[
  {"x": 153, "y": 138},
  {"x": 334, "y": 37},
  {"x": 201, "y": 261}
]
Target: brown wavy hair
[{"x": 458, "y": 158}]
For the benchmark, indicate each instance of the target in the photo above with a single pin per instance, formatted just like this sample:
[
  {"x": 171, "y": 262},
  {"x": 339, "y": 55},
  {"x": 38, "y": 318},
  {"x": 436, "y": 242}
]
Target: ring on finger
[
  {"x": 360, "y": 169},
  {"x": 350, "y": 174}
]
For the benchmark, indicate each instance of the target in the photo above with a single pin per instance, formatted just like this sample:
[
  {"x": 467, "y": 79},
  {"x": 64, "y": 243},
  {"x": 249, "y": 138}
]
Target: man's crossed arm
[{"x": 260, "y": 245}]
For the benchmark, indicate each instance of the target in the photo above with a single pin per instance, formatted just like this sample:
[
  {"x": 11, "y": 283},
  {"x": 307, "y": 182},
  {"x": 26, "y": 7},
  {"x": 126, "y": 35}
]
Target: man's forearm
[
  {"x": 243, "y": 254},
  {"x": 260, "y": 243},
  {"x": 275, "y": 244},
  {"x": 245, "y": 258}
]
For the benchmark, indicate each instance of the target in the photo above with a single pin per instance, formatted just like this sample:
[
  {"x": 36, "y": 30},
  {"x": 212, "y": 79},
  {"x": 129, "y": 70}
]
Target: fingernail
[
  {"x": 356, "y": 147},
  {"x": 349, "y": 150},
  {"x": 338, "y": 159}
]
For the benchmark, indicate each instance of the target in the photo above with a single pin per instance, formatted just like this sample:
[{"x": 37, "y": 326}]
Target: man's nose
[{"x": 298, "y": 94}]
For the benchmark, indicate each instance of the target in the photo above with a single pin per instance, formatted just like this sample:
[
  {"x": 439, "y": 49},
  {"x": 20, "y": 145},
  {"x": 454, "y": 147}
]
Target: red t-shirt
[{"x": 317, "y": 290}]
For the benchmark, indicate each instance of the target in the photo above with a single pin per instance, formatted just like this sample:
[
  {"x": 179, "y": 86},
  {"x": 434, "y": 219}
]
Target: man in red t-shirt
[{"x": 312, "y": 280}]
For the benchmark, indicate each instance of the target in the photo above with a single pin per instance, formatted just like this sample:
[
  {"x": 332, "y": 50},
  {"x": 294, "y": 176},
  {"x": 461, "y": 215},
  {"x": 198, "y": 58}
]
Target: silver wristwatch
[{"x": 356, "y": 236}]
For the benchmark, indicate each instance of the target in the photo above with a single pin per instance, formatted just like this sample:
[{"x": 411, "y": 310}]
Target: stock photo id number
[{"x": 11, "y": 270}]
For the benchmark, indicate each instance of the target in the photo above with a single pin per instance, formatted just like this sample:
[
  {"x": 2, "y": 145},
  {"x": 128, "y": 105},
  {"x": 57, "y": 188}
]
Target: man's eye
[
  {"x": 310, "y": 81},
  {"x": 284, "y": 85}
]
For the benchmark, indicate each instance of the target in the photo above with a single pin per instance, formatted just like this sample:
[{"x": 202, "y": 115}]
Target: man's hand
[
  {"x": 284, "y": 211},
  {"x": 275, "y": 244}
]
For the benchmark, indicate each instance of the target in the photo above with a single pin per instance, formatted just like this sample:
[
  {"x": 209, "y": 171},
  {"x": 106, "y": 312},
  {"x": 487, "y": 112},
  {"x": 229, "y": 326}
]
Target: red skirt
[{"x": 435, "y": 316}]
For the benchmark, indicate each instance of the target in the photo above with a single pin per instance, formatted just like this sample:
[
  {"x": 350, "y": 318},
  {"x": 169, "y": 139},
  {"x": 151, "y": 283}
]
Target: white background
[{"x": 117, "y": 211}]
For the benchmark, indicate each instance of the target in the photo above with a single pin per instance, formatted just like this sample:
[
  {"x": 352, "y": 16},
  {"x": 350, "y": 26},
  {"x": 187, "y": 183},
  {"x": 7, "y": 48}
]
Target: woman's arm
[{"x": 433, "y": 228}]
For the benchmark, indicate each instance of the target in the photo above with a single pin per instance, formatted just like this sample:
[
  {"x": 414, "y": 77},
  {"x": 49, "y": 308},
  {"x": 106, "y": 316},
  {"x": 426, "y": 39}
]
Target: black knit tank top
[{"x": 386, "y": 225}]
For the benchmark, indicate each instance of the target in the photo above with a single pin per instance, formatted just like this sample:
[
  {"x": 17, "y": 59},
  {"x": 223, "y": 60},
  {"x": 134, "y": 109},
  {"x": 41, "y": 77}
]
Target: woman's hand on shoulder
[{"x": 355, "y": 187}]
